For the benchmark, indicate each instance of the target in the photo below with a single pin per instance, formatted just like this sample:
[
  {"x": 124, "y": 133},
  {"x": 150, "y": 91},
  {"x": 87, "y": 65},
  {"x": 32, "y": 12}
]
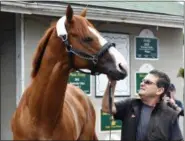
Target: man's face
[{"x": 148, "y": 87}]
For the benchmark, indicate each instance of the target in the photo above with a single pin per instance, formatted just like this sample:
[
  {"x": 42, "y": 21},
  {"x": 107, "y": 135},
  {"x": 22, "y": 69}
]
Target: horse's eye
[{"x": 88, "y": 39}]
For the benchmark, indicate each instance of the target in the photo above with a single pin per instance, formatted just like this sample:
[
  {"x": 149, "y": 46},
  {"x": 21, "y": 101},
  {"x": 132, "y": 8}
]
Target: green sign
[
  {"x": 139, "y": 78},
  {"x": 146, "y": 48},
  {"x": 106, "y": 122},
  {"x": 80, "y": 80}
]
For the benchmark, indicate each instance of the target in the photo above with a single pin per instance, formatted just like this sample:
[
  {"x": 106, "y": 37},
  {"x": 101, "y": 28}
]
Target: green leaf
[{"x": 181, "y": 73}]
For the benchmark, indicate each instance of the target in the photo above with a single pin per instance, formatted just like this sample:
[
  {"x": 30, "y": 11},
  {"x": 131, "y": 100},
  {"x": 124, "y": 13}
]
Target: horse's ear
[
  {"x": 69, "y": 14},
  {"x": 83, "y": 13}
]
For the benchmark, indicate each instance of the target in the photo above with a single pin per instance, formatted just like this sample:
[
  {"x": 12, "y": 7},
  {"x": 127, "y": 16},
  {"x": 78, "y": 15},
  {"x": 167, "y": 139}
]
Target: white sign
[
  {"x": 146, "y": 33},
  {"x": 146, "y": 68},
  {"x": 122, "y": 87}
]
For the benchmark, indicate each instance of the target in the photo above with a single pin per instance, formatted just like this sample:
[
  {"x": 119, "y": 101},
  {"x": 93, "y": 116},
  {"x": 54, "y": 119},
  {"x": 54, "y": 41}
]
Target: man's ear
[{"x": 160, "y": 91}]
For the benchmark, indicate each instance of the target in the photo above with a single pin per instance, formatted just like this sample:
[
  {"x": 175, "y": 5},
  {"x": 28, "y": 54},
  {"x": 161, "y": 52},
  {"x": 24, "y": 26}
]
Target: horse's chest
[{"x": 73, "y": 119}]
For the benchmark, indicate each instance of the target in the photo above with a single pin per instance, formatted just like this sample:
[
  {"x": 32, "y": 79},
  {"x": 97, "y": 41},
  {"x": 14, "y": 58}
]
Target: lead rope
[{"x": 110, "y": 109}]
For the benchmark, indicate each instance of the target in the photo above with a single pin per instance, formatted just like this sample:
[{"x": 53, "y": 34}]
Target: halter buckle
[
  {"x": 95, "y": 60},
  {"x": 68, "y": 48},
  {"x": 64, "y": 38}
]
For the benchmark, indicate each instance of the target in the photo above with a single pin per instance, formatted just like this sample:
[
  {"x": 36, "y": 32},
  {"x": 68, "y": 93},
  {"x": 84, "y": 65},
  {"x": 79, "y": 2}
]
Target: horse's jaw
[{"x": 113, "y": 75}]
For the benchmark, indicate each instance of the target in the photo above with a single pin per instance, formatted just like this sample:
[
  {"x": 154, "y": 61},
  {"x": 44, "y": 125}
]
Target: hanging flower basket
[{"x": 181, "y": 73}]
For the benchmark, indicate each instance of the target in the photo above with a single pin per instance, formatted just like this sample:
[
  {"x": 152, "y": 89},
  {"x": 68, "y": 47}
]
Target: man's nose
[{"x": 142, "y": 84}]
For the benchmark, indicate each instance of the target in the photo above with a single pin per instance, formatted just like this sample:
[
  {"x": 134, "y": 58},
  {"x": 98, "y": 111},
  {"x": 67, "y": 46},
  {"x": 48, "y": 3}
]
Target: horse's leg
[
  {"x": 88, "y": 132},
  {"x": 95, "y": 138},
  {"x": 16, "y": 138},
  {"x": 85, "y": 137}
]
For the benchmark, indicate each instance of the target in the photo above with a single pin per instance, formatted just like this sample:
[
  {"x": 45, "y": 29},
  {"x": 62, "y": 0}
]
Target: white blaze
[
  {"x": 118, "y": 57},
  {"x": 102, "y": 40},
  {"x": 60, "y": 26}
]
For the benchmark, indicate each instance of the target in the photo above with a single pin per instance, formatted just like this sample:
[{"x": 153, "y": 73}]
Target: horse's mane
[{"x": 40, "y": 50}]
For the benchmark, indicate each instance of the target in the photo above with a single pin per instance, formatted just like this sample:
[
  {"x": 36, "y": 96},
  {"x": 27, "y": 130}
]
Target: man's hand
[
  {"x": 112, "y": 82},
  {"x": 171, "y": 103},
  {"x": 105, "y": 100}
]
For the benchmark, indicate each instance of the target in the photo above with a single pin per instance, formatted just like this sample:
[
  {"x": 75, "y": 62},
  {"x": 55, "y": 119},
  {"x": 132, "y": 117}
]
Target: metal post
[{"x": 184, "y": 67}]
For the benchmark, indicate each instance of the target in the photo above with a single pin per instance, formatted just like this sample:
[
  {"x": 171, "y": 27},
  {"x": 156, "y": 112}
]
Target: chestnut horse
[{"x": 51, "y": 109}]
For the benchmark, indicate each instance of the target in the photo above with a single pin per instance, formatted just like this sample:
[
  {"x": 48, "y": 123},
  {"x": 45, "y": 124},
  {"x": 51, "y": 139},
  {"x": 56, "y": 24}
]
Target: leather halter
[{"x": 92, "y": 58}]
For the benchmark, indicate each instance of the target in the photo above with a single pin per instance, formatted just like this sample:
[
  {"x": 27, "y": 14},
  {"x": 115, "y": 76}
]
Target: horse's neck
[{"x": 47, "y": 92}]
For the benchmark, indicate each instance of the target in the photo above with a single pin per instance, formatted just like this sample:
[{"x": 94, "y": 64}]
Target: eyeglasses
[{"x": 147, "y": 82}]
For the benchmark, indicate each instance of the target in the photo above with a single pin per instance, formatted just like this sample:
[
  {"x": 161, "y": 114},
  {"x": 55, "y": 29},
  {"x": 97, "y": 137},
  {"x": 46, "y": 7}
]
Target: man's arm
[
  {"x": 174, "y": 106},
  {"x": 179, "y": 103},
  {"x": 105, "y": 100}
]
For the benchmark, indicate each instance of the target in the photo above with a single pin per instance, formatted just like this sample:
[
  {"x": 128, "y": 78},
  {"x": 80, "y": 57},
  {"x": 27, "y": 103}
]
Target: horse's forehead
[
  {"x": 80, "y": 23},
  {"x": 80, "y": 19},
  {"x": 102, "y": 40},
  {"x": 85, "y": 22}
]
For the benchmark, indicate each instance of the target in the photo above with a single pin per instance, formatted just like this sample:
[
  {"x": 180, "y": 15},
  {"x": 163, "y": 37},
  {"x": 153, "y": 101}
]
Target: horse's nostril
[
  {"x": 123, "y": 70},
  {"x": 121, "y": 67},
  {"x": 109, "y": 71}
]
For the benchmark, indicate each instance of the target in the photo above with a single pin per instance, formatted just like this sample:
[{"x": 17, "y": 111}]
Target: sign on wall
[
  {"x": 146, "y": 48},
  {"x": 146, "y": 67},
  {"x": 106, "y": 124},
  {"x": 122, "y": 87},
  {"x": 81, "y": 80},
  {"x": 139, "y": 77}
]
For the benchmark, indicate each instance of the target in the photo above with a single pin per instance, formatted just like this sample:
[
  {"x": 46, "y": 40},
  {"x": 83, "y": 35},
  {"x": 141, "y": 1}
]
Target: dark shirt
[
  {"x": 179, "y": 103},
  {"x": 143, "y": 122}
]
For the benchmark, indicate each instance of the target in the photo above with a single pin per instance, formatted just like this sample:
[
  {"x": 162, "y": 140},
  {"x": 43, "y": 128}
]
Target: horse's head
[{"x": 88, "y": 48}]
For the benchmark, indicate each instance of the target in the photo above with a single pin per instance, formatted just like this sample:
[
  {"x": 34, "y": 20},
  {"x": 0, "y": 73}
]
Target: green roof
[{"x": 152, "y": 6}]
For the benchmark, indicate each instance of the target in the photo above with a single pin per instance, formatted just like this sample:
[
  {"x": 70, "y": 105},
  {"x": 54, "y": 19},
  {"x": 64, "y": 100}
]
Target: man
[
  {"x": 147, "y": 118},
  {"x": 172, "y": 101}
]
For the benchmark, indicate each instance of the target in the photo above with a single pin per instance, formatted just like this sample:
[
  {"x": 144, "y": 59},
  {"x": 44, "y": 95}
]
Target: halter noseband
[{"x": 62, "y": 33}]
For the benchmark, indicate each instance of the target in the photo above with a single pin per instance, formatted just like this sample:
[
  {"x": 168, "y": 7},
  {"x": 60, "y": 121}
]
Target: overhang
[{"x": 94, "y": 13}]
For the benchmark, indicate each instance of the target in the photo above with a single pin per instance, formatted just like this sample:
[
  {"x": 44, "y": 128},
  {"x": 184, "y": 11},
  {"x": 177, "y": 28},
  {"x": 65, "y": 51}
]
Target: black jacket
[{"x": 162, "y": 119}]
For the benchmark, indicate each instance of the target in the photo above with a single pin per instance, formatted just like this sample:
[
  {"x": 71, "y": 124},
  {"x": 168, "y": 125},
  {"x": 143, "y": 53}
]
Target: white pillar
[
  {"x": 19, "y": 56},
  {"x": 184, "y": 67}
]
